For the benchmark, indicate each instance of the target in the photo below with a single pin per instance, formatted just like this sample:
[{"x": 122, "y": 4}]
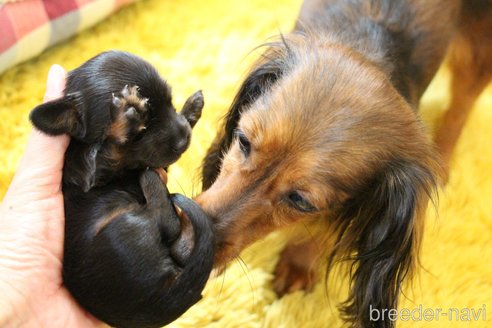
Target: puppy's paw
[
  {"x": 128, "y": 113},
  {"x": 153, "y": 187},
  {"x": 159, "y": 206},
  {"x": 293, "y": 272}
]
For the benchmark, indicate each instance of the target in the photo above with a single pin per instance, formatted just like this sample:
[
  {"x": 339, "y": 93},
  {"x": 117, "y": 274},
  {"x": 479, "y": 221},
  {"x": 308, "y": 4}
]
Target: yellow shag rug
[{"x": 206, "y": 45}]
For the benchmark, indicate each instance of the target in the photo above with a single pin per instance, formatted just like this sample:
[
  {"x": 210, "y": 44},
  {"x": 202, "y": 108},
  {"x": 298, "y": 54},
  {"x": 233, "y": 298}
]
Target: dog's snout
[
  {"x": 184, "y": 135},
  {"x": 182, "y": 144},
  {"x": 207, "y": 202}
]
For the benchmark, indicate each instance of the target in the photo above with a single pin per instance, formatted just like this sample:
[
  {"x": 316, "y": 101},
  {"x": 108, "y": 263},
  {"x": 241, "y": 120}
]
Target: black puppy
[{"x": 134, "y": 255}]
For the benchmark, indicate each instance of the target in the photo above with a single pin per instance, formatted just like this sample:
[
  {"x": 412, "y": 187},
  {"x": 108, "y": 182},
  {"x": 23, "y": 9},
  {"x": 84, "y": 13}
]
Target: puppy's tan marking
[
  {"x": 182, "y": 248},
  {"x": 103, "y": 222}
]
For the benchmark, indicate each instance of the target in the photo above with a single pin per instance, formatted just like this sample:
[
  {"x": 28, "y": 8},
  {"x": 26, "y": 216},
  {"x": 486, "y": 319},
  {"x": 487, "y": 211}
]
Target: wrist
[
  {"x": 13, "y": 307},
  {"x": 8, "y": 310}
]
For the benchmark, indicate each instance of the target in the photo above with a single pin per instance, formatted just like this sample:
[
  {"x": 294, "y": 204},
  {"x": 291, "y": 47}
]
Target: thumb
[
  {"x": 55, "y": 84},
  {"x": 44, "y": 155}
]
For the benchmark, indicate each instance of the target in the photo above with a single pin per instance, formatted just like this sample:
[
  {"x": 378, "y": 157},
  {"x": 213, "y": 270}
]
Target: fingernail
[
  {"x": 55, "y": 83},
  {"x": 56, "y": 76}
]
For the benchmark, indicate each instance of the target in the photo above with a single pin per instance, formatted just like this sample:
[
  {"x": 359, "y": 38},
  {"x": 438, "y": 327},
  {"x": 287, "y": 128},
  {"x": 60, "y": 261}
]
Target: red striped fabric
[
  {"x": 21, "y": 18},
  {"x": 7, "y": 32},
  {"x": 57, "y": 8}
]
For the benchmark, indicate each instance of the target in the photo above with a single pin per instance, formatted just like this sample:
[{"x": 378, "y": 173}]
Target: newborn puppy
[{"x": 134, "y": 255}]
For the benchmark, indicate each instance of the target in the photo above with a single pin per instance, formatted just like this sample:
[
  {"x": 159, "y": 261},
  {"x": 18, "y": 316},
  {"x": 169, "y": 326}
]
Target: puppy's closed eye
[{"x": 140, "y": 135}]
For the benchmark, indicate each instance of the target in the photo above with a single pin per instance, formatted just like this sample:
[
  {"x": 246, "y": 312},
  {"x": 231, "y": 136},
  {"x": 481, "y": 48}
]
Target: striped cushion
[{"x": 27, "y": 27}]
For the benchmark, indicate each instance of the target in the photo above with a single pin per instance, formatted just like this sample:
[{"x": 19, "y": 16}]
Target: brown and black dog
[{"x": 324, "y": 131}]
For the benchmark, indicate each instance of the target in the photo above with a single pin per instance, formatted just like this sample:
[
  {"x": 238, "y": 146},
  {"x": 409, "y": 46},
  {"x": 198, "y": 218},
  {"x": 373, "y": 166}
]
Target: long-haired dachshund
[
  {"x": 324, "y": 131},
  {"x": 134, "y": 256}
]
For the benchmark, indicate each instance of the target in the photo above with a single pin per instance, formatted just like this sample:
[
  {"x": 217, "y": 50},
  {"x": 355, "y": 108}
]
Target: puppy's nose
[
  {"x": 184, "y": 131},
  {"x": 182, "y": 144}
]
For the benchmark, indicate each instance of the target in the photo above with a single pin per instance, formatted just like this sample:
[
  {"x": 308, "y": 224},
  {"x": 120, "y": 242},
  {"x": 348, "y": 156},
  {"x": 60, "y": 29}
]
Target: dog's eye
[
  {"x": 244, "y": 143},
  {"x": 300, "y": 203}
]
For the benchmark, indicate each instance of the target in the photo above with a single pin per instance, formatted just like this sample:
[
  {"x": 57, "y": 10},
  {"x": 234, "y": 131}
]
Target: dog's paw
[
  {"x": 128, "y": 113},
  {"x": 293, "y": 272},
  {"x": 153, "y": 187},
  {"x": 158, "y": 205}
]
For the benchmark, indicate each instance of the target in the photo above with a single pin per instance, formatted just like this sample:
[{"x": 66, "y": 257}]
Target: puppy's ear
[
  {"x": 382, "y": 234},
  {"x": 58, "y": 117},
  {"x": 82, "y": 168},
  {"x": 192, "y": 109}
]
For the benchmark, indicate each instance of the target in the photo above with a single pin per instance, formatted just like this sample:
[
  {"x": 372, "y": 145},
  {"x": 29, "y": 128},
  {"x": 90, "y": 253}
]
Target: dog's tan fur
[{"x": 297, "y": 145}]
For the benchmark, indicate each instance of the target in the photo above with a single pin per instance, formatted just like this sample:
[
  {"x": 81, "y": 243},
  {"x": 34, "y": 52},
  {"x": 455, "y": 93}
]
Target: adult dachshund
[{"x": 324, "y": 131}]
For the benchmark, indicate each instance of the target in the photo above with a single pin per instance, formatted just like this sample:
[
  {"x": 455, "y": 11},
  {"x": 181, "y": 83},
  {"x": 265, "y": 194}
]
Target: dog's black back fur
[{"x": 127, "y": 257}]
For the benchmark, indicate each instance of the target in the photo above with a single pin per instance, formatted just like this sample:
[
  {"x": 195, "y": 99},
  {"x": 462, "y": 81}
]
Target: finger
[
  {"x": 43, "y": 151},
  {"x": 45, "y": 154},
  {"x": 55, "y": 84},
  {"x": 39, "y": 174}
]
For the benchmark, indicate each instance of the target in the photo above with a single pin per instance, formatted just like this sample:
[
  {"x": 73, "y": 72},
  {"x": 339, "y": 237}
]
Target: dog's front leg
[
  {"x": 298, "y": 266},
  {"x": 159, "y": 206}
]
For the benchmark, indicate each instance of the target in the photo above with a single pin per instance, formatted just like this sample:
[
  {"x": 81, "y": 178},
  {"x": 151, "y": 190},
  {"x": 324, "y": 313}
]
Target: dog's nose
[
  {"x": 182, "y": 144},
  {"x": 184, "y": 130}
]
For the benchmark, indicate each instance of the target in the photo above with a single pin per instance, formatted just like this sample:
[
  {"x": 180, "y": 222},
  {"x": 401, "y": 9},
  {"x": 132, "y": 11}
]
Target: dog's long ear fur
[
  {"x": 58, "y": 117},
  {"x": 381, "y": 233},
  {"x": 264, "y": 73},
  {"x": 82, "y": 170}
]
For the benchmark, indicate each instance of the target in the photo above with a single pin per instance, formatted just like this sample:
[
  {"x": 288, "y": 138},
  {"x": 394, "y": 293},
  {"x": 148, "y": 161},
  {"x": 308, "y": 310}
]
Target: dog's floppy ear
[
  {"x": 264, "y": 73},
  {"x": 82, "y": 169},
  {"x": 58, "y": 117},
  {"x": 383, "y": 229}
]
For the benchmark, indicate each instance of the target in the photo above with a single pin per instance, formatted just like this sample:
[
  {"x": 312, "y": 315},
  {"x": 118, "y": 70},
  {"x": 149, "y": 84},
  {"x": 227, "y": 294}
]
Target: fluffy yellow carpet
[{"x": 205, "y": 45}]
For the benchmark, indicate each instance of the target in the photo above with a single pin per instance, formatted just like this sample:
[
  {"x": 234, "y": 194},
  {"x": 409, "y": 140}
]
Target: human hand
[{"x": 31, "y": 235}]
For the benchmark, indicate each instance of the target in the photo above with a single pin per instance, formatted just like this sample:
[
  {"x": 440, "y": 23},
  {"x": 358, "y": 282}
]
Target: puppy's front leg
[
  {"x": 159, "y": 206},
  {"x": 298, "y": 266}
]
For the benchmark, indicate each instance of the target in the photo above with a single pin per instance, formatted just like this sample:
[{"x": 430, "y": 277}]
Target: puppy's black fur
[{"x": 131, "y": 258}]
